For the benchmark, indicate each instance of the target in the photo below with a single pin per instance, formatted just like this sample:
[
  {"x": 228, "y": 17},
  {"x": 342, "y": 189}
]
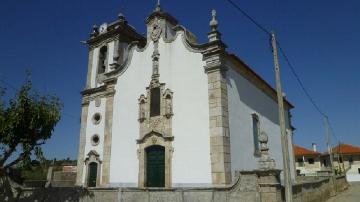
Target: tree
[{"x": 25, "y": 124}]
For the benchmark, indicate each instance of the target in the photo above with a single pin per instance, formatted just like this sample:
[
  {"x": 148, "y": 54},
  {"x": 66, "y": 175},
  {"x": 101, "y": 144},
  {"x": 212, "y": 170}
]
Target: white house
[
  {"x": 307, "y": 161},
  {"x": 165, "y": 111}
]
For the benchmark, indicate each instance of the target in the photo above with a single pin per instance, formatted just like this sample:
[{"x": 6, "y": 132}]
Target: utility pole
[
  {"x": 328, "y": 143},
  {"x": 284, "y": 138},
  {"x": 342, "y": 158}
]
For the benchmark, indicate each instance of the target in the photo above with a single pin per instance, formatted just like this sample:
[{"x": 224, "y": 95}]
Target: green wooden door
[
  {"x": 92, "y": 174},
  {"x": 155, "y": 166}
]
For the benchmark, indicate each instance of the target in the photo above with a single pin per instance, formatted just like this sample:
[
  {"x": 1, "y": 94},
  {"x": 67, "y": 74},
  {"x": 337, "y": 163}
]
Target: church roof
[
  {"x": 299, "y": 151},
  {"x": 259, "y": 82}
]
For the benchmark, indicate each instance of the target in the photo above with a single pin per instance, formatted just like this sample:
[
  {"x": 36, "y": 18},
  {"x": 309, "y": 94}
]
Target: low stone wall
[
  {"x": 258, "y": 186},
  {"x": 318, "y": 189},
  {"x": 341, "y": 183},
  {"x": 250, "y": 186},
  {"x": 63, "y": 179}
]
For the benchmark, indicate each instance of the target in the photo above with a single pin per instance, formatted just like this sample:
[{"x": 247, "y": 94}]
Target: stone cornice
[
  {"x": 143, "y": 139},
  {"x": 106, "y": 90},
  {"x": 214, "y": 54},
  {"x": 117, "y": 30}
]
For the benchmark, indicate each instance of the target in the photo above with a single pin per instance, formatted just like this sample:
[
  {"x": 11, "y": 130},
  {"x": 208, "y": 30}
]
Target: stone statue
[
  {"x": 142, "y": 109},
  {"x": 168, "y": 107}
]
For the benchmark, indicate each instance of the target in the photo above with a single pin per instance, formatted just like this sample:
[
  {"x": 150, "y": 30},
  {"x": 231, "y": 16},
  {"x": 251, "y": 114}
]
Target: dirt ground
[{"x": 352, "y": 194}]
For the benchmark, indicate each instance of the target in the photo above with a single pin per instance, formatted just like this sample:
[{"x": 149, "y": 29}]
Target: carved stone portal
[
  {"x": 93, "y": 158},
  {"x": 151, "y": 139}
]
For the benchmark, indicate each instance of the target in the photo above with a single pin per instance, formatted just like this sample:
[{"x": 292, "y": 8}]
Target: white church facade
[{"x": 162, "y": 110}]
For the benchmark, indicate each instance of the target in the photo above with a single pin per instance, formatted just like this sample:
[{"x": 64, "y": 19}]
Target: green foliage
[
  {"x": 34, "y": 173},
  {"x": 25, "y": 124}
]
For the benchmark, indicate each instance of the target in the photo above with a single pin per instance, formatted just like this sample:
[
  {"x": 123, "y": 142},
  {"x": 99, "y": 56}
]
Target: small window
[
  {"x": 359, "y": 170},
  {"x": 340, "y": 159},
  {"x": 95, "y": 140},
  {"x": 102, "y": 60},
  {"x": 351, "y": 160},
  {"x": 256, "y": 131},
  {"x": 325, "y": 162},
  {"x": 96, "y": 118},
  {"x": 155, "y": 102},
  {"x": 300, "y": 162},
  {"x": 311, "y": 160}
]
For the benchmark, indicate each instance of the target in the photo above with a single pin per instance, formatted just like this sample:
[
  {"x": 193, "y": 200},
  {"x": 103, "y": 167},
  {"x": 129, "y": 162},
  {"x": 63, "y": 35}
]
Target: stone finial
[
  {"x": 265, "y": 162},
  {"x": 214, "y": 35},
  {"x": 95, "y": 31},
  {"x": 213, "y": 22},
  {"x": 121, "y": 16},
  {"x": 95, "y": 28},
  {"x": 158, "y": 8}
]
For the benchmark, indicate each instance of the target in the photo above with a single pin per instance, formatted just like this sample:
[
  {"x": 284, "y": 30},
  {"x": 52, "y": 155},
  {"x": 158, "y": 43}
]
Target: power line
[
  {"x": 70, "y": 116},
  {"x": 8, "y": 84},
  {"x": 300, "y": 82},
  {"x": 249, "y": 17},
  {"x": 289, "y": 64}
]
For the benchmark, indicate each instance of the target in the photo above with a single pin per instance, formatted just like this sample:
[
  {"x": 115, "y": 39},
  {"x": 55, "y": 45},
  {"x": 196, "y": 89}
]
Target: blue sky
[{"x": 321, "y": 39}]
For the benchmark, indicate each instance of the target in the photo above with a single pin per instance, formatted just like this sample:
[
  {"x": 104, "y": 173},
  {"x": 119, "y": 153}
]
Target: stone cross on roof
[
  {"x": 158, "y": 8},
  {"x": 213, "y": 22}
]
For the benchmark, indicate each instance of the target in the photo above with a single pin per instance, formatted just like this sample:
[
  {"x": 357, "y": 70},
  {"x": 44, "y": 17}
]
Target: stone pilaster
[
  {"x": 81, "y": 155},
  {"x": 89, "y": 71},
  {"x": 269, "y": 184},
  {"x": 105, "y": 180},
  {"x": 219, "y": 128},
  {"x": 218, "y": 106}
]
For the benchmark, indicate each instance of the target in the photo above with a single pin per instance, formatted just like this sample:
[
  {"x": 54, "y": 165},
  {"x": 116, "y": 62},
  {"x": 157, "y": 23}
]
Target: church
[{"x": 161, "y": 110}]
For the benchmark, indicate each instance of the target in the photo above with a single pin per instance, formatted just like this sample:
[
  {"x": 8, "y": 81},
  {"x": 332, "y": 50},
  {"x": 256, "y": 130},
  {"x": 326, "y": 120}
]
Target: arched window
[
  {"x": 155, "y": 102},
  {"x": 256, "y": 132},
  {"x": 102, "y": 60}
]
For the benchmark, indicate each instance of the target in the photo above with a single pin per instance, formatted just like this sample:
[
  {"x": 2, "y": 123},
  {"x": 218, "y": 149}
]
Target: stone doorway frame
[
  {"x": 151, "y": 139},
  {"x": 93, "y": 157}
]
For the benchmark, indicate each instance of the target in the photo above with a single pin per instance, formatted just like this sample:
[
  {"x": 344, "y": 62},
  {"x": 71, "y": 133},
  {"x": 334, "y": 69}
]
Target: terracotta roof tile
[
  {"x": 346, "y": 149},
  {"x": 303, "y": 151}
]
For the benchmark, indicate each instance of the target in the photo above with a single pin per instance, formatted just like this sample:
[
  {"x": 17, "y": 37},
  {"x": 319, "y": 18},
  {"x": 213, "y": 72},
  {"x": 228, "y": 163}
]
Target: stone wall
[
  {"x": 318, "y": 189},
  {"x": 63, "y": 179},
  {"x": 258, "y": 186},
  {"x": 246, "y": 188}
]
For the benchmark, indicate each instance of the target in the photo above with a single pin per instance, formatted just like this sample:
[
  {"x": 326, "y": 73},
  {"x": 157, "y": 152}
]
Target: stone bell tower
[{"x": 108, "y": 46}]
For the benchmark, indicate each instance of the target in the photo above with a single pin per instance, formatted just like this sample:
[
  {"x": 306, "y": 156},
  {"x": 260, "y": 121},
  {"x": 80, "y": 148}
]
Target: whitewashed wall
[
  {"x": 92, "y": 129},
  {"x": 183, "y": 73},
  {"x": 244, "y": 100}
]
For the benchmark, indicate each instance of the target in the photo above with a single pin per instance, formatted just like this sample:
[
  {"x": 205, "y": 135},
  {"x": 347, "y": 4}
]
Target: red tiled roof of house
[
  {"x": 346, "y": 149},
  {"x": 303, "y": 151}
]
